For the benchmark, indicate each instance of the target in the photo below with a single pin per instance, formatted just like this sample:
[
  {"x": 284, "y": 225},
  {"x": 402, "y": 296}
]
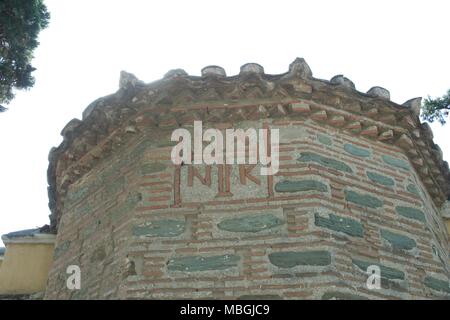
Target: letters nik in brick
[{"x": 262, "y": 145}]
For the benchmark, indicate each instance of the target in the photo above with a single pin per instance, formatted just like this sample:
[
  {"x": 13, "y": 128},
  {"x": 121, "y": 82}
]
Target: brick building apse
[{"x": 360, "y": 183}]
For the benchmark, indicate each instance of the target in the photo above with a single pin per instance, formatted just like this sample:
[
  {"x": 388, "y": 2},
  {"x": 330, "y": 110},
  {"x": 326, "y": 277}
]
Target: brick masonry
[{"x": 140, "y": 227}]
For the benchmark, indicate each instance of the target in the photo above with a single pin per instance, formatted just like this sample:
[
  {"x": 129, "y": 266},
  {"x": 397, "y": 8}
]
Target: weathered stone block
[
  {"x": 324, "y": 161},
  {"x": 340, "y": 224},
  {"x": 395, "y": 162},
  {"x": 386, "y": 272},
  {"x": 380, "y": 179},
  {"x": 437, "y": 284},
  {"x": 364, "y": 200},
  {"x": 290, "y": 259},
  {"x": 302, "y": 185},
  {"x": 160, "y": 228},
  {"x": 356, "y": 151},
  {"x": 411, "y": 213},
  {"x": 379, "y": 92},
  {"x": 254, "y": 223},
  {"x": 202, "y": 263},
  {"x": 398, "y": 241}
]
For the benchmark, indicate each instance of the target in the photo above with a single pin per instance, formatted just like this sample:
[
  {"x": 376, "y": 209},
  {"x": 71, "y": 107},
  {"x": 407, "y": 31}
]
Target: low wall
[{"x": 25, "y": 266}]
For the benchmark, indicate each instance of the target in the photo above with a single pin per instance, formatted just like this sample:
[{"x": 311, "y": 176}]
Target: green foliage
[
  {"x": 20, "y": 24},
  {"x": 436, "y": 109}
]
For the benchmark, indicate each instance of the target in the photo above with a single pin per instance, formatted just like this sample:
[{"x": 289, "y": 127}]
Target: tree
[
  {"x": 20, "y": 24},
  {"x": 436, "y": 109}
]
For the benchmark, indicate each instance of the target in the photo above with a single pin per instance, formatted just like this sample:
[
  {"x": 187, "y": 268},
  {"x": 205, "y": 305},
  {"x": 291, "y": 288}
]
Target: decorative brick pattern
[
  {"x": 140, "y": 241},
  {"x": 351, "y": 191}
]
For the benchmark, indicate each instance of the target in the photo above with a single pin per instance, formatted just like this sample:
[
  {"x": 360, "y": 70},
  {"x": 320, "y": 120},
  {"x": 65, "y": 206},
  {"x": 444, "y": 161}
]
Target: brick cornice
[{"x": 178, "y": 99}]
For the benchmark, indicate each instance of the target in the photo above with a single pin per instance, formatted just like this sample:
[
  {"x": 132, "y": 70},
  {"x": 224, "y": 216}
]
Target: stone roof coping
[{"x": 28, "y": 236}]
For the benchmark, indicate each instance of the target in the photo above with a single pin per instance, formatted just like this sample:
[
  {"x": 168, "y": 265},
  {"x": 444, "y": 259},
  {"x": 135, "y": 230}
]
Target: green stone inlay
[
  {"x": 290, "y": 259},
  {"x": 324, "y": 161},
  {"x": 364, "y": 200},
  {"x": 395, "y": 162},
  {"x": 411, "y": 213},
  {"x": 437, "y": 284},
  {"x": 340, "y": 224},
  {"x": 160, "y": 228},
  {"x": 386, "y": 272},
  {"x": 202, "y": 263},
  {"x": 356, "y": 151},
  {"x": 398, "y": 241},
  {"x": 380, "y": 179},
  {"x": 413, "y": 189},
  {"x": 324, "y": 139},
  {"x": 303, "y": 185},
  {"x": 335, "y": 295},
  {"x": 149, "y": 168},
  {"x": 252, "y": 223}
]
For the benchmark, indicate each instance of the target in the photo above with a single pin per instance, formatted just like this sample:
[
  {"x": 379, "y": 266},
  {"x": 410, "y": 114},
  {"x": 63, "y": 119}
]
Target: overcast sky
[{"x": 400, "y": 45}]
